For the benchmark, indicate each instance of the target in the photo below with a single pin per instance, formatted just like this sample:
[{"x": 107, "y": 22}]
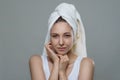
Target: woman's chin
[{"x": 61, "y": 53}]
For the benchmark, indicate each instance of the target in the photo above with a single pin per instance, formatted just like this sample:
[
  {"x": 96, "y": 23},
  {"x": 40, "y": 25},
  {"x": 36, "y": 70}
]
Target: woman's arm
[
  {"x": 63, "y": 66},
  {"x": 55, "y": 60},
  {"x": 59, "y": 68},
  {"x": 86, "y": 69},
  {"x": 62, "y": 75},
  {"x": 54, "y": 72},
  {"x": 36, "y": 68}
]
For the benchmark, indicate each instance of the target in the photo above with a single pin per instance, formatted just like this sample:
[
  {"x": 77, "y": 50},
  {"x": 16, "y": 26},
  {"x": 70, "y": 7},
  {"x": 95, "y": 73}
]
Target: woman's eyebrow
[
  {"x": 57, "y": 33},
  {"x": 53, "y": 33},
  {"x": 67, "y": 32}
]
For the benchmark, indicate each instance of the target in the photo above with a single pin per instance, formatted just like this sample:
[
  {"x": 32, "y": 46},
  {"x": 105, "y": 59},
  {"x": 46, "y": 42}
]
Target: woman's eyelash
[
  {"x": 68, "y": 35},
  {"x": 54, "y": 35}
]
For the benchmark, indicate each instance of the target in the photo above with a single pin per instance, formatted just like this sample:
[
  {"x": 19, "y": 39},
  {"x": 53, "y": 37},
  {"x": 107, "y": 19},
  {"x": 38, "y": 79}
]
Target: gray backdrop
[{"x": 23, "y": 26}]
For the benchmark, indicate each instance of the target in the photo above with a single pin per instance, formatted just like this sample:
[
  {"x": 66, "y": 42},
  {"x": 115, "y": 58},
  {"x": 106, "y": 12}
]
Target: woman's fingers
[
  {"x": 63, "y": 58},
  {"x": 63, "y": 62},
  {"x": 49, "y": 49},
  {"x": 51, "y": 53}
]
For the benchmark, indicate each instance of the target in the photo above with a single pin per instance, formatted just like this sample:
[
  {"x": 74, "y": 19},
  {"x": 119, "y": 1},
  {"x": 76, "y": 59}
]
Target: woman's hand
[
  {"x": 53, "y": 56},
  {"x": 63, "y": 62}
]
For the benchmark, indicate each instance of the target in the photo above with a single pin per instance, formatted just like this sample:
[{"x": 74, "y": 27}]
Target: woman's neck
[{"x": 72, "y": 57}]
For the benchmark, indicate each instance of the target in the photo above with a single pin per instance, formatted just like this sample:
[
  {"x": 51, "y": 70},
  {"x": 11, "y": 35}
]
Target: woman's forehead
[{"x": 61, "y": 26}]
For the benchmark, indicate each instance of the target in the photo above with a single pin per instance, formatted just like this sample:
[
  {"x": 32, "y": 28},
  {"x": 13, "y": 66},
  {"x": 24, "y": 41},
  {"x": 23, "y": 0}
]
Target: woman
[{"x": 64, "y": 56}]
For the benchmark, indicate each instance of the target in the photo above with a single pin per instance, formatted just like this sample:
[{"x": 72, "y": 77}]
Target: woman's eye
[
  {"x": 67, "y": 35},
  {"x": 54, "y": 36}
]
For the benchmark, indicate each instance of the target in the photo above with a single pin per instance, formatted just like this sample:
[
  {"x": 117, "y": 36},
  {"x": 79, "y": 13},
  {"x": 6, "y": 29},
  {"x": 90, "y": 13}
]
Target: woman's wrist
[
  {"x": 56, "y": 62},
  {"x": 54, "y": 72},
  {"x": 62, "y": 75}
]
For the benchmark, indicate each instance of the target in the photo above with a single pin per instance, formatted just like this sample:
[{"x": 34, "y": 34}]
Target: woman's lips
[{"x": 61, "y": 48}]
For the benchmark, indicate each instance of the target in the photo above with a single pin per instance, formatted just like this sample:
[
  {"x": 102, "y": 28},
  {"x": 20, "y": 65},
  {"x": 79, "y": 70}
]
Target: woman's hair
[{"x": 60, "y": 19}]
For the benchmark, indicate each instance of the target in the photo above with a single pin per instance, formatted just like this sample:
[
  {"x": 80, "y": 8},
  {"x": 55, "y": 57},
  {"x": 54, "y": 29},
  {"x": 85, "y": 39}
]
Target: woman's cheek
[
  {"x": 70, "y": 41},
  {"x": 54, "y": 42}
]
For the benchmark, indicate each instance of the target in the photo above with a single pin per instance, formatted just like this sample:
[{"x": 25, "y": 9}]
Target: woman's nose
[{"x": 61, "y": 42}]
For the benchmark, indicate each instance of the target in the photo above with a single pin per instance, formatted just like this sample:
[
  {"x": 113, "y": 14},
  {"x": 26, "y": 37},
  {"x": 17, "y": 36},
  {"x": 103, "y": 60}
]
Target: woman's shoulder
[
  {"x": 35, "y": 59},
  {"x": 36, "y": 67},
  {"x": 86, "y": 69},
  {"x": 87, "y": 61},
  {"x": 87, "y": 64}
]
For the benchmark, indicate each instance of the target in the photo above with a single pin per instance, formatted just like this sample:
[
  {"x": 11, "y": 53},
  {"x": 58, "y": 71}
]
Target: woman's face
[{"x": 61, "y": 37}]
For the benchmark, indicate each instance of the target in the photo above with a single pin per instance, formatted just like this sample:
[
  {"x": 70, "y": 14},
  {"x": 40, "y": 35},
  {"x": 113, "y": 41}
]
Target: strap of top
[
  {"x": 76, "y": 68},
  {"x": 45, "y": 66}
]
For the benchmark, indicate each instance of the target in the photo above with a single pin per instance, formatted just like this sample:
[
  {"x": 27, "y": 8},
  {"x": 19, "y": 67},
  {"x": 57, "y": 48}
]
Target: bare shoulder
[
  {"x": 36, "y": 68},
  {"x": 35, "y": 59},
  {"x": 87, "y": 62},
  {"x": 86, "y": 69}
]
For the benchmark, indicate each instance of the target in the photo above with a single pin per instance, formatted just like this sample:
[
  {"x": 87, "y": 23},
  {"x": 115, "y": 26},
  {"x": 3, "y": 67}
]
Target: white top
[{"x": 72, "y": 76}]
